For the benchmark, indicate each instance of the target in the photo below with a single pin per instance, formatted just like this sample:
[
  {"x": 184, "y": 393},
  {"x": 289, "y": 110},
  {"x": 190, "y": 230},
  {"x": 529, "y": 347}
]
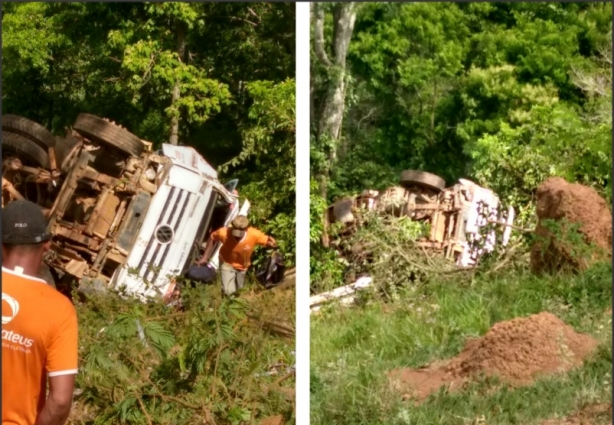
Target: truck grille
[{"x": 159, "y": 243}]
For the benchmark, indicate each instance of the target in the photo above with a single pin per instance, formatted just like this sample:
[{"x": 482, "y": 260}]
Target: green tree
[
  {"x": 156, "y": 63},
  {"x": 191, "y": 74},
  {"x": 330, "y": 110},
  {"x": 499, "y": 93}
]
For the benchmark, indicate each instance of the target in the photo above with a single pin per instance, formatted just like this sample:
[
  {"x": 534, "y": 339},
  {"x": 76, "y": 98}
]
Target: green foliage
[
  {"x": 121, "y": 61},
  {"x": 152, "y": 65},
  {"x": 269, "y": 142},
  {"x": 148, "y": 362},
  {"x": 28, "y": 37},
  {"x": 428, "y": 81},
  {"x": 145, "y": 364},
  {"x": 326, "y": 266},
  {"x": 317, "y": 208},
  {"x": 536, "y": 139},
  {"x": 505, "y": 94}
]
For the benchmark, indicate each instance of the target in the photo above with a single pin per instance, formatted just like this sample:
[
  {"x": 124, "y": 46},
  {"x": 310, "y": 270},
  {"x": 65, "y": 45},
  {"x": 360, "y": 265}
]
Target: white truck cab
[{"x": 188, "y": 205}]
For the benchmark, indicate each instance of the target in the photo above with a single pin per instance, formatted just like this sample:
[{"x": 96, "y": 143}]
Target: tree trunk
[
  {"x": 181, "y": 43},
  {"x": 51, "y": 109},
  {"x": 328, "y": 131}
]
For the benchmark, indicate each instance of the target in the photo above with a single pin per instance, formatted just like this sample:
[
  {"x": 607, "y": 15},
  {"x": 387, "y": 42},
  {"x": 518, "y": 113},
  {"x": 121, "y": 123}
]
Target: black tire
[
  {"x": 102, "y": 131},
  {"x": 29, "y": 129},
  {"x": 422, "y": 178},
  {"x": 25, "y": 149}
]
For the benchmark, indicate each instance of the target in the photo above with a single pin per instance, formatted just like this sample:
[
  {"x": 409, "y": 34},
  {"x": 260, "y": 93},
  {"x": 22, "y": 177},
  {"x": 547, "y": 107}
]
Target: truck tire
[
  {"x": 422, "y": 178},
  {"x": 25, "y": 149},
  {"x": 342, "y": 210},
  {"x": 29, "y": 129},
  {"x": 102, "y": 131}
]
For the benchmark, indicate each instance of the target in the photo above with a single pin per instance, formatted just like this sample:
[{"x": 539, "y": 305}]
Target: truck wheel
[
  {"x": 102, "y": 131},
  {"x": 29, "y": 129},
  {"x": 25, "y": 149},
  {"x": 422, "y": 178}
]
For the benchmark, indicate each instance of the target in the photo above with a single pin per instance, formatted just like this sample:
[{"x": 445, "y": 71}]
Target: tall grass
[{"x": 353, "y": 348}]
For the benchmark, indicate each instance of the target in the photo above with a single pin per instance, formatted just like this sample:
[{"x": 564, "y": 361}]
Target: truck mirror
[{"x": 231, "y": 185}]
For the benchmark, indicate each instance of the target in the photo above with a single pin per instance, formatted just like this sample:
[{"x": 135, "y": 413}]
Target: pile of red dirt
[
  {"x": 516, "y": 351},
  {"x": 570, "y": 204}
]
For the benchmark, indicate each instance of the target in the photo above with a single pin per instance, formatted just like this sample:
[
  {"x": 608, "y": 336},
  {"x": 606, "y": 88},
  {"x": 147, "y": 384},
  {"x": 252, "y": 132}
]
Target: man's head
[
  {"x": 239, "y": 226},
  {"x": 24, "y": 231}
]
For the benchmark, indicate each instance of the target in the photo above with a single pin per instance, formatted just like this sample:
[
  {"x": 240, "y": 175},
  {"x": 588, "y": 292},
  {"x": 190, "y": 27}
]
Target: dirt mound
[
  {"x": 595, "y": 414},
  {"x": 521, "y": 349},
  {"x": 570, "y": 204},
  {"x": 516, "y": 351}
]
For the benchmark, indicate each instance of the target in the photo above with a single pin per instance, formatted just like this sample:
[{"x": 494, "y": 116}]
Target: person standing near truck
[
  {"x": 238, "y": 244},
  {"x": 39, "y": 326}
]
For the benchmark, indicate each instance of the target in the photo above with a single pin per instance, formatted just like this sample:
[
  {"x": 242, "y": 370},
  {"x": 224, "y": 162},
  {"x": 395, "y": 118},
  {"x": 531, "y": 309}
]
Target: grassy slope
[
  {"x": 121, "y": 380},
  {"x": 351, "y": 349}
]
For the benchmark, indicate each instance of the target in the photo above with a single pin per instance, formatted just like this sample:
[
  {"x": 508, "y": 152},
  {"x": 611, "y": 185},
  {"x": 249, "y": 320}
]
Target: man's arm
[
  {"x": 266, "y": 240},
  {"x": 58, "y": 404},
  {"x": 271, "y": 243},
  {"x": 207, "y": 254},
  {"x": 217, "y": 236}
]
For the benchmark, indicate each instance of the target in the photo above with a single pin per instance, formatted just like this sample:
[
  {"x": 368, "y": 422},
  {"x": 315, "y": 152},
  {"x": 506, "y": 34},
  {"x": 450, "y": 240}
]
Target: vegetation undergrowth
[
  {"x": 353, "y": 348},
  {"x": 213, "y": 362},
  {"x": 497, "y": 93}
]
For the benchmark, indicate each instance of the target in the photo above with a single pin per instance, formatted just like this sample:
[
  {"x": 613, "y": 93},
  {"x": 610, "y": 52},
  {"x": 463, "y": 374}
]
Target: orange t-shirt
[
  {"x": 39, "y": 339},
  {"x": 238, "y": 254}
]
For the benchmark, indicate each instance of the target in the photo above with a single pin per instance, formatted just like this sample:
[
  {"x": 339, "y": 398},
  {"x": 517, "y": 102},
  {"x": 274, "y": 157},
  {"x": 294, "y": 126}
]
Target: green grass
[{"x": 353, "y": 348}]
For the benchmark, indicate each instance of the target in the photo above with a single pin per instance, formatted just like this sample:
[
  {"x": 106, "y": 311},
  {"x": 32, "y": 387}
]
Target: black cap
[{"x": 23, "y": 223}]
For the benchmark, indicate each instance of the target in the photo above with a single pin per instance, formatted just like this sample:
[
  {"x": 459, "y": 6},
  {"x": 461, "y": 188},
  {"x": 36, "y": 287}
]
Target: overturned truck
[
  {"x": 457, "y": 215},
  {"x": 121, "y": 215},
  {"x": 462, "y": 221}
]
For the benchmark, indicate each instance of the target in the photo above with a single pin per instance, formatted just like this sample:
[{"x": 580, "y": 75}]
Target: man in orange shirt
[
  {"x": 238, "y": 244},
  {"x": 39, "y": 326}
]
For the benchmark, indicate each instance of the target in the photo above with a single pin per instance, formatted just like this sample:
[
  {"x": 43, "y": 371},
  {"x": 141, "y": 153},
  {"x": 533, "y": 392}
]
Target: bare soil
[
  {"x": 574, "y": 204},
  {"x": 273, "y": 420},
  {"x": 516, "y": 351},
  {"x": 595, "y": 414}
]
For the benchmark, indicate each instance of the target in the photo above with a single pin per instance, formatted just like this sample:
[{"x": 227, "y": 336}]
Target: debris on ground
[
  {"x": 517, "y": 351},
  {"x": 594, "y": 414},
  {"x": 199, "y": 352},
  {"x": 576, "y": 205},
  {"x": 344, "y": 294}
]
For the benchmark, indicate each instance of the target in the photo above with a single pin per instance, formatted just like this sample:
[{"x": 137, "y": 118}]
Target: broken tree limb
[
  {"x": 342, "y": 292},
  {"x": 503, "y": 223}
]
